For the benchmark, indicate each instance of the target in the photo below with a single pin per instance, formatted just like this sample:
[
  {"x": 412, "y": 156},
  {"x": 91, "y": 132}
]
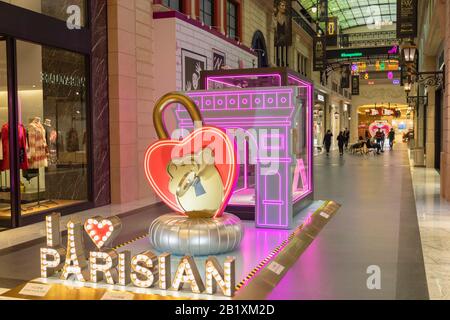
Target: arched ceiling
[{"x": 355, "y": 13}]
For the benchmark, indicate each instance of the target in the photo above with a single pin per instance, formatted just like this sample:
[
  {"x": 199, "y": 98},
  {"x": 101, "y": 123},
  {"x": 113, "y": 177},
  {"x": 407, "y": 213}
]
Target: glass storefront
[
  {"x": 52, "y": 127},
  {"x": 46, "y": 143},
  {"x": 5, "y": 206},
  {"x": 59, "y": 9}
]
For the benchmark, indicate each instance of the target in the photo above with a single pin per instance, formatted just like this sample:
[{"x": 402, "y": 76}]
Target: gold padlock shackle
[{"x": 164, "y": 102}]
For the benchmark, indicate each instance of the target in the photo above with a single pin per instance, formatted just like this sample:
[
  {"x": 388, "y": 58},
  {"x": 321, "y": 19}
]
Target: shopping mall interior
[{"x": 333, "y": 121}]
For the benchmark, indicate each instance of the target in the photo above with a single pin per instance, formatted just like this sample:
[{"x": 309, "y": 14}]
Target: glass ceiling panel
[{"x": 355, "y": 13}]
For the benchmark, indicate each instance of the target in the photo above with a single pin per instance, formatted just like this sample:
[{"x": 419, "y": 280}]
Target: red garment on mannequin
[{"x": 22, "y": 147}]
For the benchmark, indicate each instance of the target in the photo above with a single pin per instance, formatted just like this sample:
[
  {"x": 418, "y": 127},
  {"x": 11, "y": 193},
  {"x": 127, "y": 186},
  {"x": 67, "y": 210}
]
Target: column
[
  {"x": 430, "y": 64},
  {"x": 131, "y": 96},
  {"x": 445, "y": 156}
]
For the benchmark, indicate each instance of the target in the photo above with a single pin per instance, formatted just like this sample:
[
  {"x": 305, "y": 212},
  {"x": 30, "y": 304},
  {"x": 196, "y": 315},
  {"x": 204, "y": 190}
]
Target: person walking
[
  {"x": 327, "y": 141},
  {"x": 341, "y": 142},
  {"x": 379, "y": 138},
  {"x": 347, "y": 138},
  {"x": 391, "y": 138}
]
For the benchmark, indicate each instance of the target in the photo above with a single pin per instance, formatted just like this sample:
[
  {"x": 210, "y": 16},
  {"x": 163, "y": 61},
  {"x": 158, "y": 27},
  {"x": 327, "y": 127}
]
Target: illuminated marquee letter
[
  {"x": 164, "y": 271},
  {"x": 224, "y": 278},
  {"x": 144, "y": 275},
  {"x": 52, "y": 257},
  {"x": 187, "y": 272},
  {"x": 76, "y": 263},
  {"x": 101, "y": 265},
  {"x": 124, "y": 268}
]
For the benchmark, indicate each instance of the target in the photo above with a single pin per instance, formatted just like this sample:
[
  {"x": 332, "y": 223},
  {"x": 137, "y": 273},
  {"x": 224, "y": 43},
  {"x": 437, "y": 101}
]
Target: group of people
[
  {"x": 377, "y": 143},
  {"x": 379, "y": 140},
  {"x": 343, "y": 140}
]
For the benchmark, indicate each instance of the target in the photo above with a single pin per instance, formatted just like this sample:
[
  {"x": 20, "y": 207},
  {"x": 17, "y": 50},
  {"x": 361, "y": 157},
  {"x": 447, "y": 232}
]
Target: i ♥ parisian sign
[{"x": 144, "y": 270}]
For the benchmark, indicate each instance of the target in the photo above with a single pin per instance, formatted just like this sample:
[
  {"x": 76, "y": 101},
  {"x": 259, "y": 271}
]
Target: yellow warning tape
[{"x": 131, "y": 241}]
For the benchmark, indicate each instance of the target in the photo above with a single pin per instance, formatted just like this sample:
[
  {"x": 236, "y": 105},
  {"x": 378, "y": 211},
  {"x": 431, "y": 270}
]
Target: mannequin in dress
[
  {"x": 37, "y": 143},
  {"x": 51, "y": 136}
]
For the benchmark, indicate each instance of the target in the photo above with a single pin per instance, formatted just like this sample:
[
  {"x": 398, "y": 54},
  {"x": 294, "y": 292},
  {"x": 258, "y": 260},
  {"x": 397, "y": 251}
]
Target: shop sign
[
  {"x": 355, "y": 85},
  {"x": 331, "y": 31},
  {"x": 351, "y": 54},
  {"x": 320, "y": 98},
  {"x": 406, "y": 18},
  {"x": 63, "y": 79},
  {"x": 144, "y": 270},
  {"x": 320, "y": 54},
  {"x": 394, "y": 50}
]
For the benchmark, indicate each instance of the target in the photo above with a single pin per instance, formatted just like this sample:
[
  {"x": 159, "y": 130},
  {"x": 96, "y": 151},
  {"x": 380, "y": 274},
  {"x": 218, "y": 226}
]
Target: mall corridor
[{"x": 376, "y": 226}]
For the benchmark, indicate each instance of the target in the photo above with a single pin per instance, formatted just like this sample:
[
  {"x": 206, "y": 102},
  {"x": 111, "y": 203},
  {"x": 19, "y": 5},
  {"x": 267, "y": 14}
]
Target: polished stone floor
[
  {"x": 434, "y": 223},
  {"x": 376, "y": 226}
]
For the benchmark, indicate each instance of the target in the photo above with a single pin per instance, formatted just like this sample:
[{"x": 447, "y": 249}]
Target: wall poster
[
  {"x": 219, "y": 59},
  {"x": 192, "y": 65}
]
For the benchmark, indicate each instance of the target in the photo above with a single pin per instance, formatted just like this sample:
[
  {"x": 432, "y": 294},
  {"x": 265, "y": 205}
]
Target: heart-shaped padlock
[{"x": 194, "y": 176}]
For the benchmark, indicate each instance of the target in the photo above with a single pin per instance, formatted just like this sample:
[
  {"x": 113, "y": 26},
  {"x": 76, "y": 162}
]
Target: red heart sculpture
[
  {"x": 160, "y": 154},
  {"x": 102, "y": 231}
]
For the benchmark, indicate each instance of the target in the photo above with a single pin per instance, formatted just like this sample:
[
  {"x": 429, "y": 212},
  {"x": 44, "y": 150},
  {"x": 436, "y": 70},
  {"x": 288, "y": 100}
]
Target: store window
[
  {"x": 173, "y": 4},
  {"x": 5, "y": 192},
  {"x": 207, "y": 12},
  {"x": 52, "y": 93},
  {"x": 59, "y": 9},
  {"x": 232, "y": 20}
]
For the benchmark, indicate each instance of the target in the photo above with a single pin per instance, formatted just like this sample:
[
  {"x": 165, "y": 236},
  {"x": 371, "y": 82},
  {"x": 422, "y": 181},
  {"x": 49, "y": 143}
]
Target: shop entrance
[
  {"x": 5, "y": 190},
  {"x": 385, "y": 116}
]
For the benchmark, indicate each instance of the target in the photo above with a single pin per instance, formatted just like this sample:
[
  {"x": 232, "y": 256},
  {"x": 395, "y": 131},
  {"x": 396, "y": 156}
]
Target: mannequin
[
  {"x": 37, "y": 143},
  {"x": 51, "y": 136},
  {"x": 37, "y": 155}
]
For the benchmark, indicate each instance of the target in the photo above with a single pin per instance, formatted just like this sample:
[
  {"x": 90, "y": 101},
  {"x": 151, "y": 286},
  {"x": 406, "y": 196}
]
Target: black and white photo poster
[
  {"x": 219, "y": 60},
  {"x": 192, "y": 66}
]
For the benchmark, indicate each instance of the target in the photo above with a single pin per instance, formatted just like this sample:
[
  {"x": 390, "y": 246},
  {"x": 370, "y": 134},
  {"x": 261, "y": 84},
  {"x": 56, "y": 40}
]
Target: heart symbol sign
[
  {"x": 160, "y": 154},
  {"x": 102, "y": 231}
]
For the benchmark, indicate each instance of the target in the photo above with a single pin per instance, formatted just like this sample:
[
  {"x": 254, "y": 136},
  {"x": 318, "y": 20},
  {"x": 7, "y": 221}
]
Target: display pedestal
[
  {"x": 182, "y": 235},
  {"x": 262, "y": 260}
]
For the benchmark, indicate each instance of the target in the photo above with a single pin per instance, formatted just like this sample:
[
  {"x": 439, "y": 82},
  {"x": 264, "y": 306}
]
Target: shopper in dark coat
[
  {"x": 391, "y": 138},
  {"x": 341, "y": 142},
  {"x": 347, "y": 137},
  {"x": 327, "y": 141}
]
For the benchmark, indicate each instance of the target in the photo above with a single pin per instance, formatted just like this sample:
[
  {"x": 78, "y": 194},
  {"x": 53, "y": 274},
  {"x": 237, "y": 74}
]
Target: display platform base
[
  {"x": 182, "y": 235},
  {"x": 262, "y": 260}
]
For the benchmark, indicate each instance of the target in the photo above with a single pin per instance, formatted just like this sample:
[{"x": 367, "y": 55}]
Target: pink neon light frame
[{"x": 243, "y": 122}]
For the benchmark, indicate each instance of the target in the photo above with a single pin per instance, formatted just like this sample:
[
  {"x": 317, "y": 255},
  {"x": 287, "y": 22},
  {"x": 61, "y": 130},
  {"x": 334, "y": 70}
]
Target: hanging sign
[
  {"x": 406, "y": 19},
  {"x": 332, "y": 31},
  {"x": 322, "y": 11},
  {"x": 282, "y": 11},
  {"x": 144, "y": 270},
  {"x": 345, "y": 77},
  {"x": 320, "y": 54},
  {"x": 355, "y": 85}
]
